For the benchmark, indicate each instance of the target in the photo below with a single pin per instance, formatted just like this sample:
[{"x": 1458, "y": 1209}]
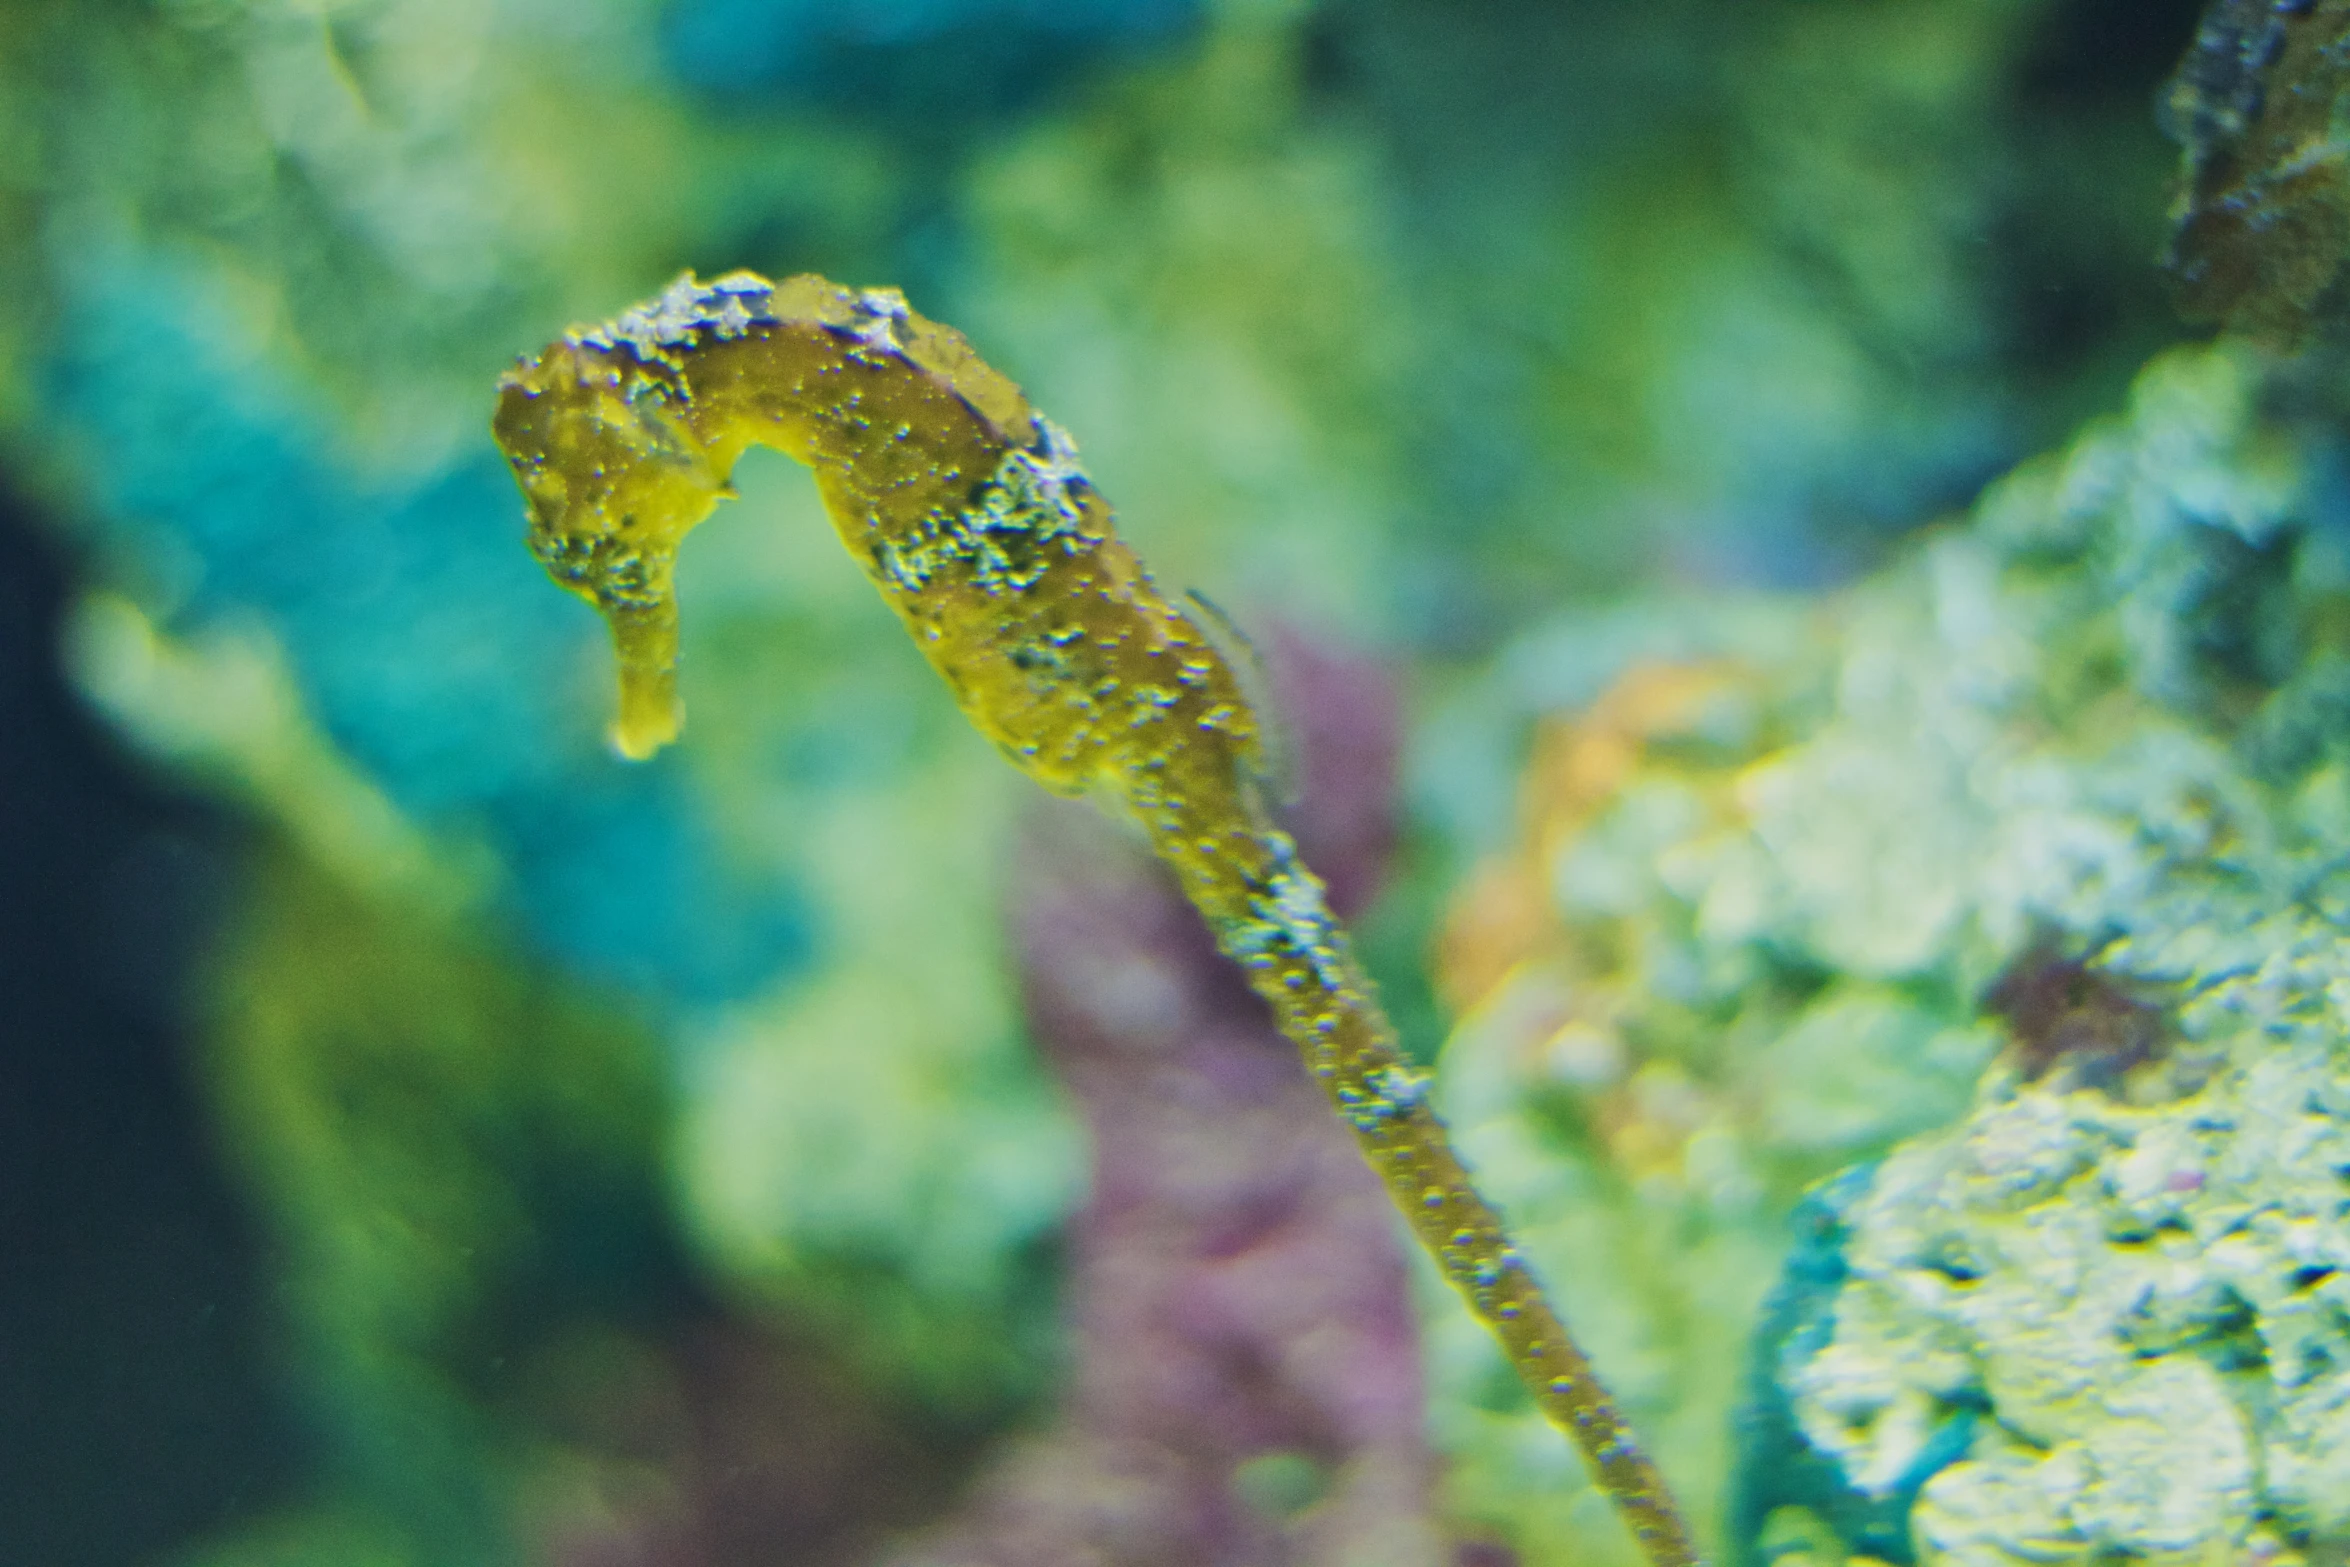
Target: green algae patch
[{"x": 460, "y": 1161}]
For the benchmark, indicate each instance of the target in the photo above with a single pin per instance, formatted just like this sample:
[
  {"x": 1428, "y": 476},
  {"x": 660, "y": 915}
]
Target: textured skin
[{"x": 968, "y": 511}]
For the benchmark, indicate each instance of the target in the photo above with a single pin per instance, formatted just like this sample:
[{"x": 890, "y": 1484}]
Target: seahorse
[{"x": 970, "y": 512}]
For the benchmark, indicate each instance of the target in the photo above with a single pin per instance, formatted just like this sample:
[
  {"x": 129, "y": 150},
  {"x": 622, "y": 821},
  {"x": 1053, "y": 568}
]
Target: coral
[
  {"x": 504, "y": 1351},
  {"x": 2060, "y": 785},
  {"x": 2101, "y": 1327},
  {"x": 2262, "y": 218},
  {"x": 2092, "y": 1316},
  {"x": 926, "y": 59},
  {"x": 968, "y": 511},
  {"x": 396, "y": 566},
  {"x": 1648, "y": 1100}
]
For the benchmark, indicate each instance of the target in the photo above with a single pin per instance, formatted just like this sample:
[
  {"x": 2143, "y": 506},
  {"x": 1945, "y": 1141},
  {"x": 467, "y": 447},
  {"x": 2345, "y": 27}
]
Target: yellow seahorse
[{"x": 969, "y": 511}]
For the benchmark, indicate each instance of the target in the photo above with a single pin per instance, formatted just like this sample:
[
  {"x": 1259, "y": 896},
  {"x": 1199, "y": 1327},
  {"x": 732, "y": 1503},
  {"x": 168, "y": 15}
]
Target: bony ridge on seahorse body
[{"x": 969, "y": 511}]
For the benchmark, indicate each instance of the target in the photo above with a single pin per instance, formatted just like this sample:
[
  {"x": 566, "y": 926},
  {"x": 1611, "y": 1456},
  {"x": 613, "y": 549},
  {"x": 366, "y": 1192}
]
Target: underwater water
[{"x": 1791, "y": 560}]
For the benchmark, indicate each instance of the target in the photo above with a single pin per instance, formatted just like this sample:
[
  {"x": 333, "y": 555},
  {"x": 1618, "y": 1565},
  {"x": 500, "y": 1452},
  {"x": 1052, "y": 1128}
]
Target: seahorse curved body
[{"x": 969, "y": 511}]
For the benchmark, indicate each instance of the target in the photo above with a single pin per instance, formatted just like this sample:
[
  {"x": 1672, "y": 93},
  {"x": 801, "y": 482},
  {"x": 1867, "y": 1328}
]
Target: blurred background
[{"x": 427, "y": 1140}]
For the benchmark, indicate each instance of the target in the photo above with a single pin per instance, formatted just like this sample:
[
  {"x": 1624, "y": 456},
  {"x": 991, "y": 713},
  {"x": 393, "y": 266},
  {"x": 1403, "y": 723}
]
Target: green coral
[
  {"x": 2138, "y": 1292},
  {"x": 2135, "y": 1280},
  {"x": 2066, "y": 777},
  {"x": 492, "y": 1312},
  {"x": 457, "y": 1162},
  {"x": 2143, "y": 1299}
]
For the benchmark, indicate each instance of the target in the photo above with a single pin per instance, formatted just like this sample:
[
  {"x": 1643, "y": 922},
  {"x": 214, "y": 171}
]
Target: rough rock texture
[
  {"x": 2063, "y": 790},
  {"x": 2100, "y": 1314}
]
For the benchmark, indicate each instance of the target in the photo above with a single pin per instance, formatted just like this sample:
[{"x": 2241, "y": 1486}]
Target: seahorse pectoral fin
[{"x": 1268, "y": 750}]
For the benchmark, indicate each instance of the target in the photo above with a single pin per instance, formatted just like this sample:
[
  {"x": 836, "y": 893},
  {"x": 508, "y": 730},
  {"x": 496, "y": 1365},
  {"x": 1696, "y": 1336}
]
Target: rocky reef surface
[{"x": 2058, "y": 800}]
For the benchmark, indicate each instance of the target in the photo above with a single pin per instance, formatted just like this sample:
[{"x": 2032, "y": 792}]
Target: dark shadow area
[
  {"x": 2107, "y": 53},
  {"x": 2085, "y": 297},
  {"x": 137, "y": 1405}
]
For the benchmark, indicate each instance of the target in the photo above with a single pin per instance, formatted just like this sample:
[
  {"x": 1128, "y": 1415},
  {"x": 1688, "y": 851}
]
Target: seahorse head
[{"x": 614, "y": 477}]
